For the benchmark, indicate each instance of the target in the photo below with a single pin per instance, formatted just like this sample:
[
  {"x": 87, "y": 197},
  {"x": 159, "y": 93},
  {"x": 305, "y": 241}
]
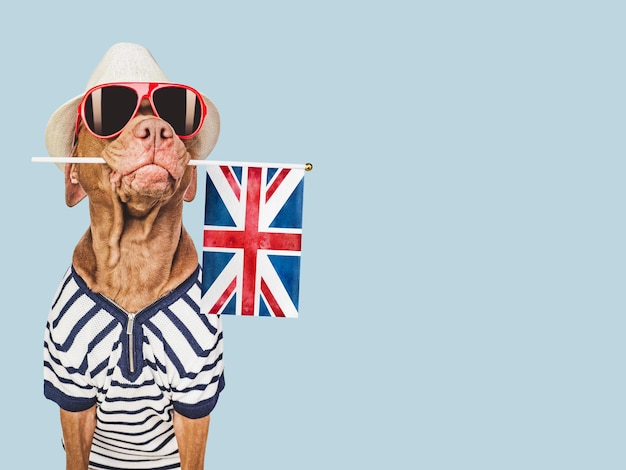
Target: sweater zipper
[{"x": 131, "y": 344}]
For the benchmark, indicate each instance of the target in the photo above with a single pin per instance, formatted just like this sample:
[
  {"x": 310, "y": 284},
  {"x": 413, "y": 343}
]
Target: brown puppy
[
  {"x": 136, "y": 248},
  {"x": 134, "y": 365}
]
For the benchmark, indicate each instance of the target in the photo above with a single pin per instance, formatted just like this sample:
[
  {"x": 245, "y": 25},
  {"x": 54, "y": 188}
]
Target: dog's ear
[
  {"x": 190, "y": 192},
  {"x": 74, "y": 192}
]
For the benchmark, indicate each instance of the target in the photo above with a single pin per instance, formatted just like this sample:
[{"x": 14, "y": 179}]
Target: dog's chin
[{"x": 146, "y": 184}]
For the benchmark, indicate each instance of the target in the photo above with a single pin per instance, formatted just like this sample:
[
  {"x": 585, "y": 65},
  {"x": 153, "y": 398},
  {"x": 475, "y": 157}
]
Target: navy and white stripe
[{"x": 169, "y": 359}]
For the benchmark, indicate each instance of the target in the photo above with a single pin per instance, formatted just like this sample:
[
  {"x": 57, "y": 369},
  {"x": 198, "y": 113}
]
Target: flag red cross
[{"x": 251, "y": 239}]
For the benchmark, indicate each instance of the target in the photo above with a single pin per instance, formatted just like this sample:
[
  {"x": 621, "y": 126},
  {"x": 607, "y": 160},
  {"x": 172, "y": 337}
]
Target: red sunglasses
[{"x": 106, "y": 109}]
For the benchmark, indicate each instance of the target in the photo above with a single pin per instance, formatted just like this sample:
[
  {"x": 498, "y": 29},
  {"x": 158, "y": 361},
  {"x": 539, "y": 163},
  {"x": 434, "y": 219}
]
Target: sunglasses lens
[
  {"x": 180, "y": 107},
  {"x": 108, "y": 109}
]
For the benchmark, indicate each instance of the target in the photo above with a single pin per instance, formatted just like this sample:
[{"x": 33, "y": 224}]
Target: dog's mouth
[{"x": 149, "y": 180}]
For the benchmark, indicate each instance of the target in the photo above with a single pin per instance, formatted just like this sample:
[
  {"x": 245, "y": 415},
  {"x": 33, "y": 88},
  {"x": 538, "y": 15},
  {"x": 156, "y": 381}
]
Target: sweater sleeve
[
  {"x": 67, "y": 381},
  {"x": 197, "y": 386}
]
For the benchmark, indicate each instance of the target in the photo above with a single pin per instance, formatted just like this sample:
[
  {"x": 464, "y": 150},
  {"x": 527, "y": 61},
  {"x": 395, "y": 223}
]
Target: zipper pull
[{"x": 131, "y": 345}]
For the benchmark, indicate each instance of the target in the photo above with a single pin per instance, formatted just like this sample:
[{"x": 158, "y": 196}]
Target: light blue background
[{"x": 462, "y": 296}]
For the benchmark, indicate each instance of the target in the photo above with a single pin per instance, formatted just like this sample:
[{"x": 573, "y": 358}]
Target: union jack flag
[{"x": 252, "y": 241}]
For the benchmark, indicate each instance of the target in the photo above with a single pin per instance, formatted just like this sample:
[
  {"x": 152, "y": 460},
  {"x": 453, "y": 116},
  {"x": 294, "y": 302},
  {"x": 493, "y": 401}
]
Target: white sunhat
[{"x": 123, "y": 62}]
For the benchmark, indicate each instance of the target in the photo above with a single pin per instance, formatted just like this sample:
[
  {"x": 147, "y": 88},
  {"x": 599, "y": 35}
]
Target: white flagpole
[{"x": 295, "y": 166}]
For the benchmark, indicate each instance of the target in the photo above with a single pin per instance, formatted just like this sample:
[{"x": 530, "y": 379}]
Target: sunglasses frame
[{"x": 144, "y": 90}]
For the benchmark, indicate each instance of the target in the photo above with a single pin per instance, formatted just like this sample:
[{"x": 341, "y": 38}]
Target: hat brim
[{"x": 61, "y": 126}]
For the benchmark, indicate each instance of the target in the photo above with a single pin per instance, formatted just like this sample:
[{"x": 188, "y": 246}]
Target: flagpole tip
[{"x": 308, "y": 166}]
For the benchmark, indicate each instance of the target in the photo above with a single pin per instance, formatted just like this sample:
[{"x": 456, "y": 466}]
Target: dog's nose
[{"x": 153, "y": 128}]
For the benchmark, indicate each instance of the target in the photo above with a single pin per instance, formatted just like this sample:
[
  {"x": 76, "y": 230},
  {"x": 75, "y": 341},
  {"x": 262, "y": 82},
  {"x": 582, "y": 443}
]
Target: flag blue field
[{"x": 252, "y": 241}]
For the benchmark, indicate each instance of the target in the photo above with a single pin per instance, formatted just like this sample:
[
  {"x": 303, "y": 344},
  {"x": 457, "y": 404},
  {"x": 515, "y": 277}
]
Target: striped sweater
[{"x": 136, "y": 368}]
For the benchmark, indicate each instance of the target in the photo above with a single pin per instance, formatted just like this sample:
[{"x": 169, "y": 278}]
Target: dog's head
[{"x": 146, "y": 147}]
